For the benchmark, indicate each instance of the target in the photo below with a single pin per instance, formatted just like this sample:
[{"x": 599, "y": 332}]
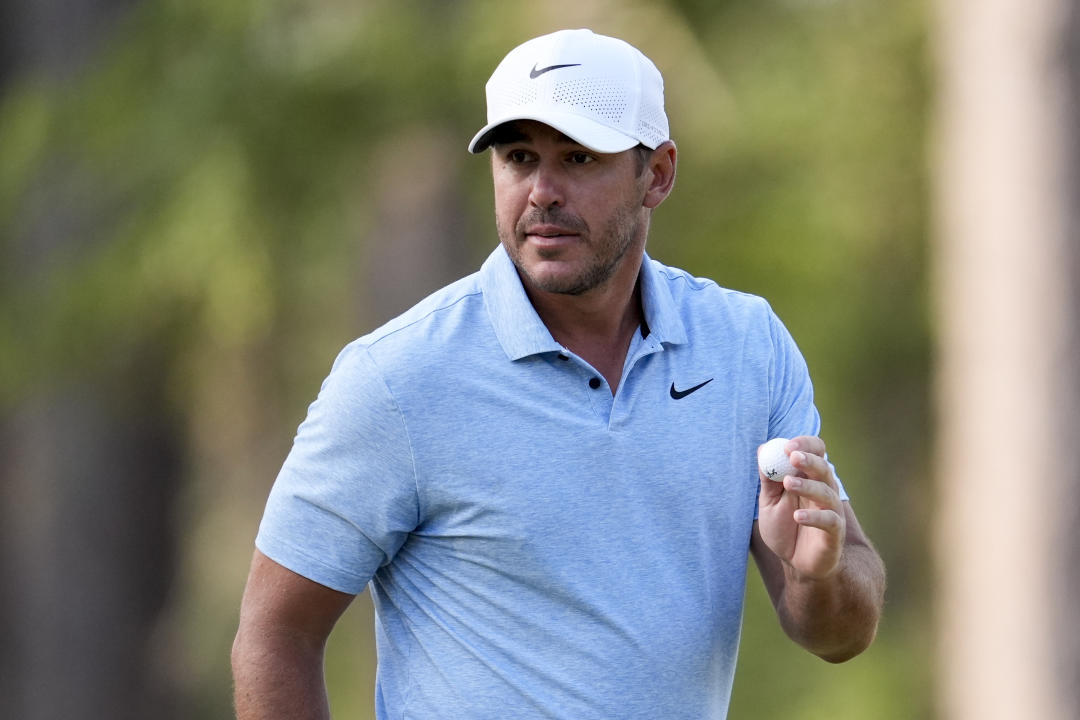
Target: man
[{"x": 546, "y": 471}]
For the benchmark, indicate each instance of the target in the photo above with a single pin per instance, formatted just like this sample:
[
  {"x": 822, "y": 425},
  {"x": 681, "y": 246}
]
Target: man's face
[{"x": 566, "y": 215}]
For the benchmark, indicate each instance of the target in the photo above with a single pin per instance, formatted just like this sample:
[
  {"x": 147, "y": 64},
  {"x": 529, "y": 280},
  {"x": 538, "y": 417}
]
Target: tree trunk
[
  {"x": 1069, "y": 551},
  {"x": 1007, "y": 193},
  {"x": 419, "y": 241},
  {"x": 89, "y": 471},
  {"x": 88, "y": 551}
]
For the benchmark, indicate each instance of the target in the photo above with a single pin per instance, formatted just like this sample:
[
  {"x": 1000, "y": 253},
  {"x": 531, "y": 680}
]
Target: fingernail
[
  {"x": 794, "y": 482},
  {"x": 801, "y": 515}
]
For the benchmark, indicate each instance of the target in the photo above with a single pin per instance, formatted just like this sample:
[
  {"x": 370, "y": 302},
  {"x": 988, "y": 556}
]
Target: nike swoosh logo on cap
[
  {"x": 534, "y": 73},
  {"x": 680, "y": 394}
]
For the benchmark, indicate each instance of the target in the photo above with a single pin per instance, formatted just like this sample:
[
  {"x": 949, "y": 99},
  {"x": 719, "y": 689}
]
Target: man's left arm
[{"x": 825, "y": 579}]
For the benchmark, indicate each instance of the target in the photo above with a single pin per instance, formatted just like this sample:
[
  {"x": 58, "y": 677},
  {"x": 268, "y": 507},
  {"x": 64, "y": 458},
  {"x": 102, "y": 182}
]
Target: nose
[{"x": 547, "y": 186}]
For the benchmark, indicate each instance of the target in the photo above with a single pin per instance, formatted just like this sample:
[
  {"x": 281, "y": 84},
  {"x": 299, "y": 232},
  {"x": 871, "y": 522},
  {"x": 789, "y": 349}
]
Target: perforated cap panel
[{"x": 599, "y": 90}]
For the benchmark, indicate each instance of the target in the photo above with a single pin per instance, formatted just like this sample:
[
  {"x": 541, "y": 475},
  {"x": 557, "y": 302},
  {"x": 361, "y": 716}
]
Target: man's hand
[
  {"x": 824, "y": 577},
  {"x": 802, "y": 518}
]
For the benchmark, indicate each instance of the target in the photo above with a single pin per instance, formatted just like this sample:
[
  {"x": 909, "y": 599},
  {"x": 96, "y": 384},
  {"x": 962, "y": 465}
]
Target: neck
[{"x": 597, "y": 325}]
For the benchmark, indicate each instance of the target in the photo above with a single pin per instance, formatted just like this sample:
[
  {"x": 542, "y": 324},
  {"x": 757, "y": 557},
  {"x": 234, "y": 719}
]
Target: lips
[
  {"x": 552, "y": 231},
  {"x": 548, "y": 238},
  {"x": 549, "y": 232}
]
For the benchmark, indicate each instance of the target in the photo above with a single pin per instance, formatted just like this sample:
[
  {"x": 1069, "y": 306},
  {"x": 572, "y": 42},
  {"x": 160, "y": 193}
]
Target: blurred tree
[
  {"x": 1008, "y": 187},
  {"x": 1070, "y": 583},
  {"x": 54, "y": 38},
  {"x": 419, "y": 238},
  {"x": 91, "y": 468}
]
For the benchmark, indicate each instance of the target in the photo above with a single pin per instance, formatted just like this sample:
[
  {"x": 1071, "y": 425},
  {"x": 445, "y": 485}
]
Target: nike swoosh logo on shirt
[
  {"x": 680, "y": 394},
  {"x": 534, "y": 73}
]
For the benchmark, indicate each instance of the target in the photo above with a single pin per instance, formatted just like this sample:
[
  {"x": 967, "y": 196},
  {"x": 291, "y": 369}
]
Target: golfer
[{"x": 545, "y": 473}]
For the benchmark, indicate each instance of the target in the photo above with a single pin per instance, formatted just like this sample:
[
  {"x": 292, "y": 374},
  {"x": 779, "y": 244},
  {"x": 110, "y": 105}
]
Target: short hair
[{"x": 642, "y": 154}]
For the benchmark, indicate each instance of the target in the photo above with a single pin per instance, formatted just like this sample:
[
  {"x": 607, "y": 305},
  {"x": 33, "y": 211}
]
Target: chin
[
  {"x": 550, "y": 280},
  {"x": 562, "y": 281}
]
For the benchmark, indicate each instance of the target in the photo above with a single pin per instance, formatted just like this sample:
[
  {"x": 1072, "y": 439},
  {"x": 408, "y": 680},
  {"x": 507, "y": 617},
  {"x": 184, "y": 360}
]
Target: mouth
[{"x": 550, "y": 235}]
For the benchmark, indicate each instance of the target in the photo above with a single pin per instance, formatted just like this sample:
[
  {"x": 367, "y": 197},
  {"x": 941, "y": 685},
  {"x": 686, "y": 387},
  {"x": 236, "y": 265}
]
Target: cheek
[
  {"x": 505, "y": 217},
  {"x": 502, "y": 215},
  {"x": 509, "y": 204}
]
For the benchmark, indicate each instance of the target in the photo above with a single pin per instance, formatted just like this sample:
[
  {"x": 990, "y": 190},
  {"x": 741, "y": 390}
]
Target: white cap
[{"x": 597, "y": 90}]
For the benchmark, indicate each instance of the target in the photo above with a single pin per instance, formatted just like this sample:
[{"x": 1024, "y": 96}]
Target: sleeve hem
[{"x": 313, "y": 569}]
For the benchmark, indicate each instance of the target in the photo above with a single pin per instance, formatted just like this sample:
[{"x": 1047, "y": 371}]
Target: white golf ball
[{"x": 773, "y": 461}]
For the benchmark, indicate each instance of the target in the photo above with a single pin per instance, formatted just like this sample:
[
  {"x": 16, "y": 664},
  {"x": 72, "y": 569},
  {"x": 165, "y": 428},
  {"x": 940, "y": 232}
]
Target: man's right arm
[{"x": 277, "y": 656}]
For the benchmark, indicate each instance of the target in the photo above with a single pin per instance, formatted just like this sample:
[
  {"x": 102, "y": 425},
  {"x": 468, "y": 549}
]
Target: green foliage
[{"x": 206, "y": 189}]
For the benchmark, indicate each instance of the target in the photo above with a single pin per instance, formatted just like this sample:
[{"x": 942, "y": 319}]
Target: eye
[
  {"x": 580, "y": 158},
  {"x": 517, "y": 156}
]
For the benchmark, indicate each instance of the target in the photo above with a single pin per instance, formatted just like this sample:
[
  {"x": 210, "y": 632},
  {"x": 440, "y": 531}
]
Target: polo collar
[
  {"x": 522, "y": 333},
  {"x": 661, "y": 313}
]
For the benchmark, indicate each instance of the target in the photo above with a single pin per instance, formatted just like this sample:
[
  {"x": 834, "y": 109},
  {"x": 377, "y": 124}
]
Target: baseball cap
[{"x": 599, "y": 91}]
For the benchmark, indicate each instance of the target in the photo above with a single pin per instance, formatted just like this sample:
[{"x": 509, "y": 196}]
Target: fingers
[
  {"x": 821, "y": 494},
  {"x": 815, "y": 481},
  {"x": 812, "y": 466},
  {"x": 818, "y": 486},
  {"x": 827, "y": 520},
  {"x": 808, "y": 443},
  {"x": 809, "y": 460}
]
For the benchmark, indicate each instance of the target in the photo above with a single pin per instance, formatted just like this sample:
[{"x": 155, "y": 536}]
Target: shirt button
[{"x": 595, "y": 383}]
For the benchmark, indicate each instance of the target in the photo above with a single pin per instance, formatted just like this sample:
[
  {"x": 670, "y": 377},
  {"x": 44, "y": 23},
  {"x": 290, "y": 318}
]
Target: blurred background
[{"x": 202, "y": 202}]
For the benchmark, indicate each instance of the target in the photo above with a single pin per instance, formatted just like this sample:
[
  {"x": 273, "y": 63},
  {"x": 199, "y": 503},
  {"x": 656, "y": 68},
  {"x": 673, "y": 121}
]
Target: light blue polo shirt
[{"x": 537, "y": 547}]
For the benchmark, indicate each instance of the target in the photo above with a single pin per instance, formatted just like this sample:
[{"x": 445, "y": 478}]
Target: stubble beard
[{"x": 607, "y": 249}]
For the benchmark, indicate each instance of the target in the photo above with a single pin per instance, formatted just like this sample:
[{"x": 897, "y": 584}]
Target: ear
[{"x": 662, "y": 174}]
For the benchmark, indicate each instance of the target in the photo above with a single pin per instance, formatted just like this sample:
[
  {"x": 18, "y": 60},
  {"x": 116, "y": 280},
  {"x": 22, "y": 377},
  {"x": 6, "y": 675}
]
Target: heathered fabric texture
[{"x": 536, "y": 547}]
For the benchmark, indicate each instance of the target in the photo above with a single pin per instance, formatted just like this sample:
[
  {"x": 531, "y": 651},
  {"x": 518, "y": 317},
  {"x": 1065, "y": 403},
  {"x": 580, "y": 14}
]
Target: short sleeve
[
  {"x": 345, "y": 499},
  {"x": 792, "y": 410}
]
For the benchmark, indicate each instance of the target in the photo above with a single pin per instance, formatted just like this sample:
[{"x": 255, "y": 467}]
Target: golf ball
[{"x": 773, "y": 461}]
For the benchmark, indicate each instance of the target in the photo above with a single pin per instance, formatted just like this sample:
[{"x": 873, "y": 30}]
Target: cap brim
[{"x": 582, "y": 130}]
